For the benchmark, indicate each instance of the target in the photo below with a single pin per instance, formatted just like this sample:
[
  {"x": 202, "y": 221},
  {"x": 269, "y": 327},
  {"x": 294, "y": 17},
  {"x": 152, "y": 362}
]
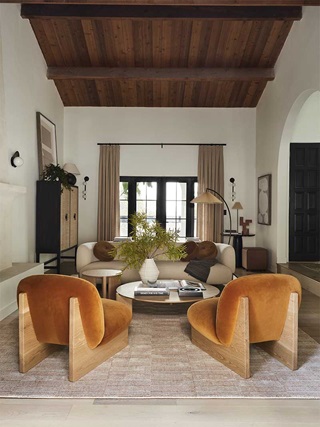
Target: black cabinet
[{"x": 56, "y": 222}]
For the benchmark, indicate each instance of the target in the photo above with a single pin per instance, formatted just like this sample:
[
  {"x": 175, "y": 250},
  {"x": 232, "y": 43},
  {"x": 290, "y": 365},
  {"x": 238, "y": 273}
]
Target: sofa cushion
[
  {"x": 207, "y": 250},
  {"x": 101, "y": 250},
  {"x": 192, "y": 251}
]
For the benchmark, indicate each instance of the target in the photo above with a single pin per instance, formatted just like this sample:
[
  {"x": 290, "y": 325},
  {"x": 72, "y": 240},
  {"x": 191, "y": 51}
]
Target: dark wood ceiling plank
[
  {"x": 195, "y": 43},
  {"x": 260, "y": 87},
  {"x": 203, "y": 93},
  {"x": 91, "y": 42},
  {"x": 232, "y": 44},
  {"x": 187, "y": 96},
  {"x": 109, "y": 42},
  {"x": 135, "y": 73},
  {"x": 247, "y": 58},
  {"x": 92, "y": 93},
  {"x": 148, "y": 86},
  {"x": 66, "y": 39},
  {"x": 79, "y": 42},
  {"x": 221, "y": 46},
  {"x": 261, "y": 41},
  {"x": 270, "y": 44},
  {"x": 64, "y": 92},
  {"x": 117, "y": 92},
  {"x": 286, "y": 27},
  {"x": 102, "y": 92},
  {"x": 141, "y": 43},
  {"x": 213, "y": 43},
  {"x": 204, "y": 45},
  {"x": 49, "y": 11},
  {"x": 185, "y": 39},
  {"x": 53, "y": 42},
  {"x": 37, "y": 26},
  {"x": 240, "y": 46}
]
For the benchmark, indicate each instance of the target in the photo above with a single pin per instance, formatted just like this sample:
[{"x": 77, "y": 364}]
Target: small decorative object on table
[{"x": 245, "y": 224}]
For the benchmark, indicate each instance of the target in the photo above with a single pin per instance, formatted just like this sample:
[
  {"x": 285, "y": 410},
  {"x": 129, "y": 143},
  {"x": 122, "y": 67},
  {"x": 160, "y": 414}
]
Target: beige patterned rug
[{"x": 159, "y": 362}]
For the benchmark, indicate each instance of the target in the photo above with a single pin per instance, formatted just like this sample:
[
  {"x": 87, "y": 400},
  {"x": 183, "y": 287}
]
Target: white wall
[
  {"x": 85, "y": 127},
  {"x": 26, "y": 90},
  {"x": 297, "y": 77},
  {"x": 307, "y": 125}
]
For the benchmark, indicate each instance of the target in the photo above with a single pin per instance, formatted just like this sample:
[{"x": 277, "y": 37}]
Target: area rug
[{"x": 160, "y": 362}]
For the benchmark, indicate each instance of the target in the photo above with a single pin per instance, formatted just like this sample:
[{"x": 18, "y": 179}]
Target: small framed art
[
  {"x": 47, "y": 142},
  {"x": 264, "y": 199}
]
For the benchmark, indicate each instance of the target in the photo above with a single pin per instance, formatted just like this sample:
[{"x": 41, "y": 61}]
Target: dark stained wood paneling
[{"x": 160, "y": 43}]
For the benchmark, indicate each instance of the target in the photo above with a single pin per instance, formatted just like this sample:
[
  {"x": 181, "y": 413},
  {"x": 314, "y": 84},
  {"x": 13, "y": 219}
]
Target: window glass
[{"x": 166, "y": 200}]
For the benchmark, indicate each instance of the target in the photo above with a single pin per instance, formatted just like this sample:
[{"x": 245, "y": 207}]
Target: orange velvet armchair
[
  {"x": 57, "y": 310},
  {"x": 260, "y": 308}
]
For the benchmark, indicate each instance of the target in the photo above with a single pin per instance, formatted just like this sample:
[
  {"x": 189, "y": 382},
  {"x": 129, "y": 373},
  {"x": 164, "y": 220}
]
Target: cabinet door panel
[
  {"x": 65, "y": 219},
  {"x": 74, "y": 217}
]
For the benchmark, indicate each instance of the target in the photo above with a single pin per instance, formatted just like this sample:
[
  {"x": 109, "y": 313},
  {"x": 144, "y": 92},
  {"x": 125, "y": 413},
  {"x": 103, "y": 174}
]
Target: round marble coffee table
[
  {"x": 125, "y": 294},
  {"x": 108, "y": 276}
]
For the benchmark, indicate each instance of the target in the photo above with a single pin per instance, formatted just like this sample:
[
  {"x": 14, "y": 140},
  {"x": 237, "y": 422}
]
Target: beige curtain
[
  {"x": 210, "y": 175},
  {"x": 108, "y": 197}
]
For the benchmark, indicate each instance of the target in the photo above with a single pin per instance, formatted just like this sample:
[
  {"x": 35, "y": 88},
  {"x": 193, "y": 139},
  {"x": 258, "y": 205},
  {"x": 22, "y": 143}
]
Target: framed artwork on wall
[
  {"x": 264, "y": 199},
  {"x": 47, "y": 142}
]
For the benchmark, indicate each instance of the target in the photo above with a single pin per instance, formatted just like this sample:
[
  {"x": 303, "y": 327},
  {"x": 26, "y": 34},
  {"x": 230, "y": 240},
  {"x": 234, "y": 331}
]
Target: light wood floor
[{"x": 172, "y": 412}]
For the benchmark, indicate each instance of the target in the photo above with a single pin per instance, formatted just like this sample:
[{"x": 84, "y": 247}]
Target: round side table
[{"x": 109, "y": 277}]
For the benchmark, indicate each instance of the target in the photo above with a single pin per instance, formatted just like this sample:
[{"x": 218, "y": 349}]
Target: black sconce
[{"x": 84, "y": 192}]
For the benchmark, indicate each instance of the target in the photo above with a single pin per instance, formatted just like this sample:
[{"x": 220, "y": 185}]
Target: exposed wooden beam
[
  {"x": 178, "y": 2},
  {"x": 49, "y": 11},
  {"x": 138, "y": 73}
]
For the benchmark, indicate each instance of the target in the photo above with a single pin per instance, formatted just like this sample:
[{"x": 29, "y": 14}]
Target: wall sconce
[
  {"x": 16, "y": 160},
  {"x": 84, "y": 192},
  {"x": 72, "y": 170},
  {"x": 233, "y": 186}
]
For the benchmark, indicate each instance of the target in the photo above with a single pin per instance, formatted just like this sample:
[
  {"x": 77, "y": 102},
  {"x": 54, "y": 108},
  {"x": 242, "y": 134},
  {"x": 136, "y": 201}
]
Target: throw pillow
[
  {"x": 192, "y": 251},
  {"x": 207, "y": 250},
  {"x": 101, "y": 250}
]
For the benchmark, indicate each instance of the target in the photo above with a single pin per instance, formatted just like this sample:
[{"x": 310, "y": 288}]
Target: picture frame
[
  {"x": 264, "y": 199},
  {"x": 47, "y": 142}
]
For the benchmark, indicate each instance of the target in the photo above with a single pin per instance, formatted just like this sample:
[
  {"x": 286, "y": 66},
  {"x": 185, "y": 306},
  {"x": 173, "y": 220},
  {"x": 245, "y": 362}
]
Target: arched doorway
[{"x": 283, "y": 172}]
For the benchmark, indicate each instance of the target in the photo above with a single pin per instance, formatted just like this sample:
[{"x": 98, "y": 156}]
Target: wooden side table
[{"x": 109, "y": 277}]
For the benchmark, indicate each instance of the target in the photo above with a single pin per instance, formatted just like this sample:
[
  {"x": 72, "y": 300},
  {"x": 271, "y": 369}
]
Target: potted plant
[
  {"x": 149, "y": 241},
  {"x": 53, "y": 172}
]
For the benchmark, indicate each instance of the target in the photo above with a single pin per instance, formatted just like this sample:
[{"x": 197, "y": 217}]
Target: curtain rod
[{"x": 154, "y": 143}]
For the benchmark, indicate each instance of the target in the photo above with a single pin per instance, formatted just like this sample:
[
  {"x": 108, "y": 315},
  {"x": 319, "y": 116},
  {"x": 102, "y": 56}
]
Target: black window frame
[{"x": 161, "y": 197}]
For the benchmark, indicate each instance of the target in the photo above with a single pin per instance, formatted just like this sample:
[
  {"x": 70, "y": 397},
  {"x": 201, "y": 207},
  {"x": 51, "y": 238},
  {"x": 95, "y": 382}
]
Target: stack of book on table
[
  {"x": 147, "y": 290},
  {"x": 192, "y": 289}
]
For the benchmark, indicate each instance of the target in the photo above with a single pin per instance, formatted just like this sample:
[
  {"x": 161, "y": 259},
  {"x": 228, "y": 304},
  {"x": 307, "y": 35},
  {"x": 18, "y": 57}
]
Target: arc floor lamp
[{"x": 209, "y": 197}]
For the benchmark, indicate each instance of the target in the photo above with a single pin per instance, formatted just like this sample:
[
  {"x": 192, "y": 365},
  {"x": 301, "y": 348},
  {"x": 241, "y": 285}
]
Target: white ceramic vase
[{"x": 149, "y": 271}]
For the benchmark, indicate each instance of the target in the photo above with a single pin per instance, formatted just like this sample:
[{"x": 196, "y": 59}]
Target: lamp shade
[
  {"x": 237, "y": 205},
  {"x": 71, "y": 168},
  {"x": 206, "y": 197}
]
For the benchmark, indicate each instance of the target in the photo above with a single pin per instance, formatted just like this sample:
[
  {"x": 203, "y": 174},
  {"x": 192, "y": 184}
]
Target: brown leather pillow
[
  {"x": 192, "y": 251},
  {"x": 101, "y": 250},
  {"x": 207, "y": 250}
]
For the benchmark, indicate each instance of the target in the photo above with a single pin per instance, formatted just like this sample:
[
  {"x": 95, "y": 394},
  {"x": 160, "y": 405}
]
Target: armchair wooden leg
[
  {"x": 237, "y": 356},
  {"x": 286, "y": 349},
  {"x": 83, "y": 359},
  {"x": 31, "y": 351}
]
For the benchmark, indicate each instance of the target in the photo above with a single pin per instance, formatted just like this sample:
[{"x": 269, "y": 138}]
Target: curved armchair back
[
  {"x": 268, "y": 296},
  {"x": 48, "y": 298}
]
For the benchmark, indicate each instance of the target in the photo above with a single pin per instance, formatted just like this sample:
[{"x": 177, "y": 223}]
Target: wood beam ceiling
[
  {"x": 172, "y": 74},
  {"x": 235, "y": 3},
  {"x": 49, "y": 11}
]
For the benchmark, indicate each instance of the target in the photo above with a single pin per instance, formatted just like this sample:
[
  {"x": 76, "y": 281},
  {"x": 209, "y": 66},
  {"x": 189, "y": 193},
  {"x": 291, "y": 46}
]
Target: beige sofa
[{"x": 220, "y": 273}]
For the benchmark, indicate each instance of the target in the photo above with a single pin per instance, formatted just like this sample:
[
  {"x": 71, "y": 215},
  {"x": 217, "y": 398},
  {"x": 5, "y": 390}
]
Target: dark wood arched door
[{"x": 304, "y": 205}]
